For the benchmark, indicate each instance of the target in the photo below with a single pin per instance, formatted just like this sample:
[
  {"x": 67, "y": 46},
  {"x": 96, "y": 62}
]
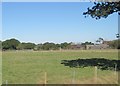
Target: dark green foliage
[
  {"x": 13, "y": 44},
  {"x": 58, "y": 46},
  {"x": 65, "y": 45},
  {"x": 10, "y": 44},
  {"x": 115, "y": 44},
  {"x": 50, "y": 46},
  {"x": 102, "y": 9},
  {"x": 38, "y": 47},
  {"x": 22, "y": 46},
  {"x": 87, "y": 43},
  {"x": 0, "y": 45}
]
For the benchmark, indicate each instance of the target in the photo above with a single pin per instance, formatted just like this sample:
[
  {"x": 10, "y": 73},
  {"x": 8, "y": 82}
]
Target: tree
[
  {"x": 49, "y": 46},
  {"x": 65, "y": 45},
  {"x": 10, "y": 44},
  {"x": 0, "y": 45},
  {"x": 26, "y": 46},
  {"x": 100, "y": 40},
  {"x": 38, "y": 47},
  {"x": 87, "y": 43},
  {"x": 58, "y": 46},
  {"x": 103, "y": 9},
  {"x": 20, "y": 46},
  {"x": 115, "y": 44}
]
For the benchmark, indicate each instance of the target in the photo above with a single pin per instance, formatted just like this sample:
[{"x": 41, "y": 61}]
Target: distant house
[
  {"x": 104, "y": 45},
  {"x": 77, "y": 47},
  {"x": 100, "y": 46},
  {"x": 107, "y": 42}
]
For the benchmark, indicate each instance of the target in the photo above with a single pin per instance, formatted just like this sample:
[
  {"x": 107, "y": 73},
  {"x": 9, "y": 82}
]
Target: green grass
[
  {"x": 0, "y": 68},
  {"x": 29, "y": 67}
]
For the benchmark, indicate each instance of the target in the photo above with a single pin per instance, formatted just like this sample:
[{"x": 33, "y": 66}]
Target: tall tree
[
  {"x": 100, "y": 40},
  {"x": 103, "y": 9},
  {"x": 10, "y": 44}
]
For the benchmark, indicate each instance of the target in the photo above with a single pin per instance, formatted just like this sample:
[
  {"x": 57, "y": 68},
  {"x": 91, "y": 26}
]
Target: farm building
[
  {"x": 74, "y": 46},
  {"x": 100, "y": 46},
  {"x": 77, "y": 46}
]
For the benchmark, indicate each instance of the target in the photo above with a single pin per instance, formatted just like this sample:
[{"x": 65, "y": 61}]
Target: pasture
[{"x": 29, "y": 67}]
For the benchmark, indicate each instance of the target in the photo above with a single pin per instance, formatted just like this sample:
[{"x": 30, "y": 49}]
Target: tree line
[{"x": 14, "y": 44}]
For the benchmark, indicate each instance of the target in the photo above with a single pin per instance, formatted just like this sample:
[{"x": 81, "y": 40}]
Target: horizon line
[{"x": 78, "y": 42}]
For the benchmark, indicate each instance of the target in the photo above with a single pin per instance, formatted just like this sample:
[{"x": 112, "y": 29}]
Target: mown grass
[{"x": 29, "y": 67}]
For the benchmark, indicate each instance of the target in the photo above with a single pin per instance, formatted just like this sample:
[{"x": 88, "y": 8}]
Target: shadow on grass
[{"x": 101, "y": 63}]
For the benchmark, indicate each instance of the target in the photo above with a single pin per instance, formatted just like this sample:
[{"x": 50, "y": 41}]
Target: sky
[
  {"x": 0, "y": 21},
  {"x": 57, "y": 22}
]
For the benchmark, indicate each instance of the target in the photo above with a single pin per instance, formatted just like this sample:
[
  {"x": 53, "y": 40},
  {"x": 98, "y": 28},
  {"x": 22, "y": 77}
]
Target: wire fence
[{"x": 96, "y": 77}]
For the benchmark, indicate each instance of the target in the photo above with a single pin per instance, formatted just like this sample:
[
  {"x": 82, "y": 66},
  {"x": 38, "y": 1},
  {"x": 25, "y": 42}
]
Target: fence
[{"x": 95, "y": 77}]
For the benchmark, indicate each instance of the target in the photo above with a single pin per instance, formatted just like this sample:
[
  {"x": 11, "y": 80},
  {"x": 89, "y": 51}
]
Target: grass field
[
  {"x": 0, "y": 67},
  {"x": 29, "y": 67}
]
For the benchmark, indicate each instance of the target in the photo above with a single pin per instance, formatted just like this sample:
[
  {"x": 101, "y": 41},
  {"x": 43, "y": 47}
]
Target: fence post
[
  {"x": 45, "y": 78},
  {"x": 95, "y": 75},
  {"x": 73, "y": 80},
  {"x": 115, "y": 73},
  {"x": 6, "y": 82},
  {"x": 115, "y": 70}
]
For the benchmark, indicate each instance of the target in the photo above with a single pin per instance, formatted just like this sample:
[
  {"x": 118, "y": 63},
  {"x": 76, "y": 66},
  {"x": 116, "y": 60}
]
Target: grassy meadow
[
  {"x": 29, "y": 67},
  {"x": 0, "y": 67}
]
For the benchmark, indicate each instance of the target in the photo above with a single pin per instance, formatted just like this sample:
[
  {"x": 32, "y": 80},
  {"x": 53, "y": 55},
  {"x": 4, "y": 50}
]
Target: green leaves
[
  {"x": 102, "y": 9},
  {"x": 10, "y": 44}
]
